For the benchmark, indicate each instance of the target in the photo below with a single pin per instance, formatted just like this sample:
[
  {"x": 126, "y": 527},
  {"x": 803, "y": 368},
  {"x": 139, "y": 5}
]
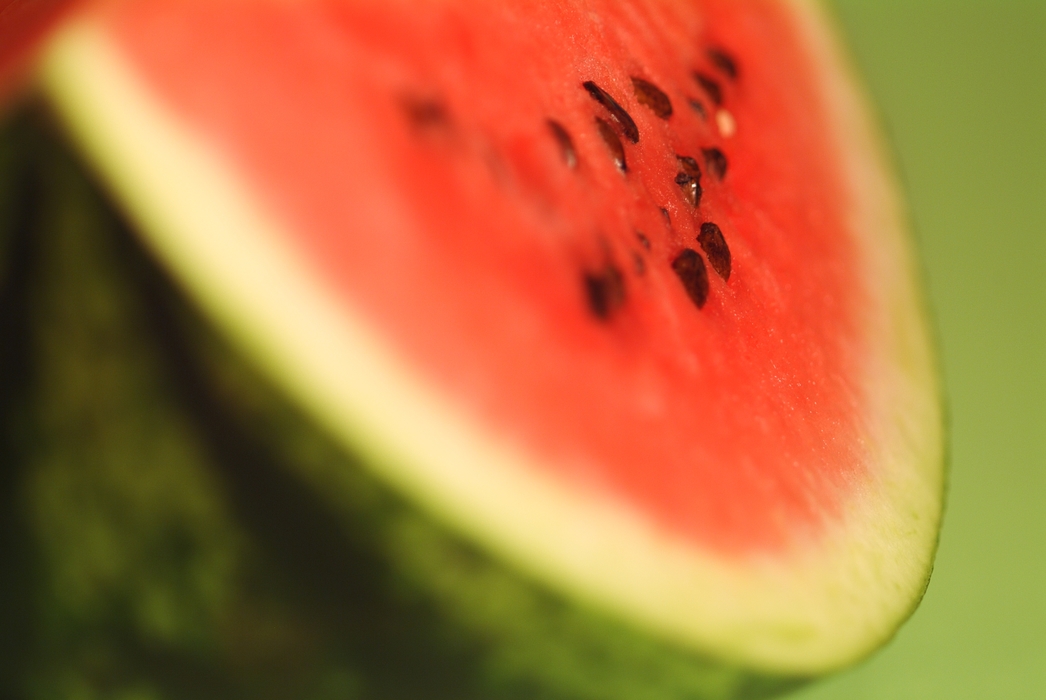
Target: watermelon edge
[{"x": 813, "y": 622}]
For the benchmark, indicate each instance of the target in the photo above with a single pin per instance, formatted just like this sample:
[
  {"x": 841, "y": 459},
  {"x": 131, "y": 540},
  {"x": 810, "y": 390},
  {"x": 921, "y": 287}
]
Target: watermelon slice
[{"x": 618, "y": 292}]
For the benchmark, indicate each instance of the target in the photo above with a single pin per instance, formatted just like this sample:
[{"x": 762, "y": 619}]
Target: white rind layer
[{"x": 806, "y": 612}]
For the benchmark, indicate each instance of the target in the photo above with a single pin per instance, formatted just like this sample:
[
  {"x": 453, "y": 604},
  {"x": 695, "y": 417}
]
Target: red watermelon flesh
[{"x": 428, "y": 189}]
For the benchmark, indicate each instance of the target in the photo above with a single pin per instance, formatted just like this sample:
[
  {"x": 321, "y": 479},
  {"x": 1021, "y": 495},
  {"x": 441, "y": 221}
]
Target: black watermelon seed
[
  {"x": 710, "y": 86},
  {"x": 425, "y": 113},
  {"x": 714, "y": 245},
  {"x": 652, "y": 96},
  {"x": 715, "y": 161},
  {"x": 605, "y": 291},
  {"x": 724, "y": 62},
  {"x": 690, "y": 269},
  {"x": 690, "y": 166},
  {"x": 691, "y": 188},
  {"x": 566, "y": 144},
  {"x": 617, "y": 112},
  {"x": 638, "y": 263},
  {"x": 617, "y": 150},
  {"x": 668, "y": 217},
  {"x": 643, "y": 240},
  {"x": 699, "y": 108},
  {"x": 689, "y": 180}
]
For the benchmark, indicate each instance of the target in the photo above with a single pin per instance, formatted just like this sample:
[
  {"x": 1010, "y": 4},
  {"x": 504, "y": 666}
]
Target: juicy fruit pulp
[
  {"x": 617, "y": 292},
  {"x": 519, "y": 284}
]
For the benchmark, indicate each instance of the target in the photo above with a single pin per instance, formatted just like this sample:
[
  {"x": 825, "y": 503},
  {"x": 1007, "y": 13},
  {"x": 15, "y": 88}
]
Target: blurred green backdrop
[{"x": 961, "y": 86}]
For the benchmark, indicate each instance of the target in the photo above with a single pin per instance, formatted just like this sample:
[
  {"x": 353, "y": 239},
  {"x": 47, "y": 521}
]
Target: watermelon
[{"x": 593, "y": 327}]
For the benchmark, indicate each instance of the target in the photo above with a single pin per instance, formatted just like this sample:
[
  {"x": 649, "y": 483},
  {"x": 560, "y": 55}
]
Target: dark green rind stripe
[
  {"x": 199, "y": 538},
  {"x": 19, "y": 215}
]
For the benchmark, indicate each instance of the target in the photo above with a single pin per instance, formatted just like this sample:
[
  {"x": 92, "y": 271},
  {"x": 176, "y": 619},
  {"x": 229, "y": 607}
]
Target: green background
[{"x": 962, "y": 91}]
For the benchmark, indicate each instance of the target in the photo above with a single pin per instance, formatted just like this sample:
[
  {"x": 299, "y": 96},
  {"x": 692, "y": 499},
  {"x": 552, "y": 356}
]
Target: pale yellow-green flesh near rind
[{"x": 806, "y": 613}]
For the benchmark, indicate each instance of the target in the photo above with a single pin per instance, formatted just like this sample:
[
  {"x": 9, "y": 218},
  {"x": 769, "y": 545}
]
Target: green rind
[
  {"x": 198, "y": 537},
  {"x": 17, "y": 201},
  {"x": 801, "y": 615}
]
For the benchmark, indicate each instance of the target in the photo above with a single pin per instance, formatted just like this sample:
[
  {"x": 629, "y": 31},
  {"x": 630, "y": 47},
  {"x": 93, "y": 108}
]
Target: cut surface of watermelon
[
  {"x": 621, "y": 291},
  {"x": 541, "y": 310}
]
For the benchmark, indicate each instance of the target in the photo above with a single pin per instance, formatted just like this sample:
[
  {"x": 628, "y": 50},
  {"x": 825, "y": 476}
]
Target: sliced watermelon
[{"x": 619, "y": 292}]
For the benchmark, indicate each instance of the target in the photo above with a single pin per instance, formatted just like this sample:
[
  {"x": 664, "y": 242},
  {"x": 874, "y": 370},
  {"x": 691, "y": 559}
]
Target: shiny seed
[
  {"x": 715, "y": 161},
  {"x": 605, "y": 291},
  {"x": 622, "y": 118},
  {"x": 652, "y": 96},
  {"x": 714, "y": 245},
  {"x": 689, "y": 180},
  {"x": 690, "y": 269},
  {"x": 613, "y": 143},
  {"x": 566, "y": 144},
  {"x": 690, "y": 166}
]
